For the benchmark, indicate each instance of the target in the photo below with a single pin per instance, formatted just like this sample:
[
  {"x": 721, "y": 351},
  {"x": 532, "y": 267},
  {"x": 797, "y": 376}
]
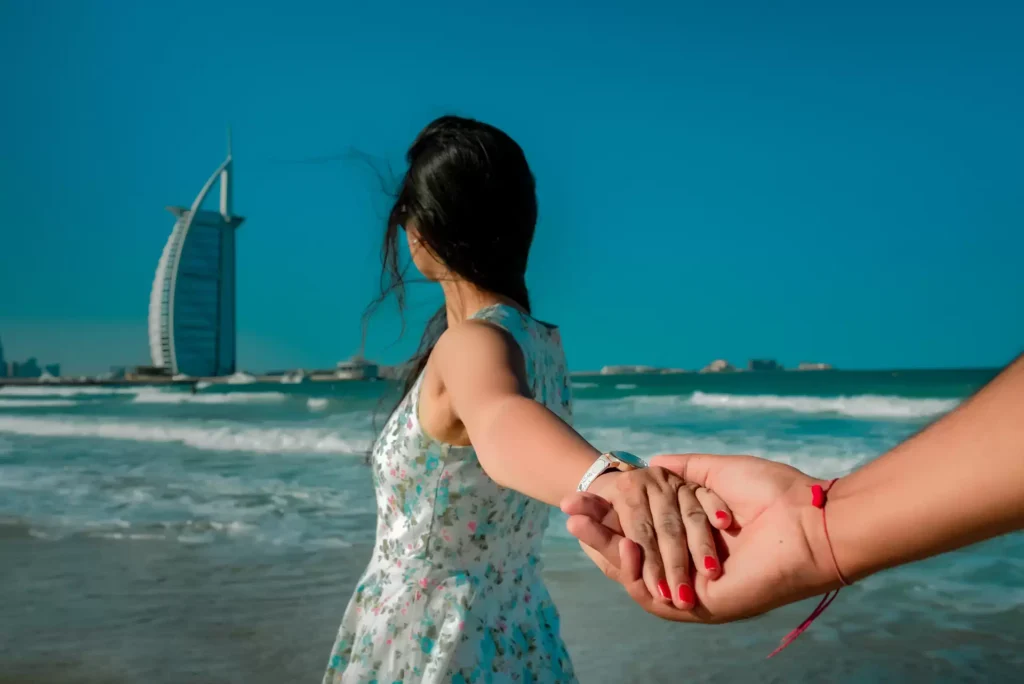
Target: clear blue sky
[{"x": 840, "y": 182}]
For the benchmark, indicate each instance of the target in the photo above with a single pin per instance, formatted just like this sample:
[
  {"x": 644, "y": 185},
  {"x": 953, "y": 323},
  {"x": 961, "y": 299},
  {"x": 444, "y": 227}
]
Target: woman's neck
[{"x": 463, "y": 299}]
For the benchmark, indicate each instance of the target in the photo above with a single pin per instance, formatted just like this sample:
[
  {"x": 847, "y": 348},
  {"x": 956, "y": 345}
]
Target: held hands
[
  {"x": 771, "y": 549},
  {"x": 669, "y": 521}
]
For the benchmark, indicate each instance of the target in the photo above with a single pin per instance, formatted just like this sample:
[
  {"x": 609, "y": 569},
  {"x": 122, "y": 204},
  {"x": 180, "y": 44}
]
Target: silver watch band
[
  {"x": 613, "y": 459},
  {"x": 598, "y": 468}
]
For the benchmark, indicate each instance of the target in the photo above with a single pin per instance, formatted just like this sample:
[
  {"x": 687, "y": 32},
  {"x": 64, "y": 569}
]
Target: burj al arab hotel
[{"x": 192, "y": 305}]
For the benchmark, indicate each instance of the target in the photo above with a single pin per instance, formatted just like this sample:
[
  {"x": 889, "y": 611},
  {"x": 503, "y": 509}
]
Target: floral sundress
[{"x": 453, "y": 591}]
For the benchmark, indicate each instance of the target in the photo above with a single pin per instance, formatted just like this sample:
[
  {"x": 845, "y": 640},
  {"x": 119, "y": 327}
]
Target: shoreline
[
  {"x": 276, "y": 379},
  {"x": 170, "y": 382},
  {"x": 163, "y": 613},
  {"x": 172, "y": 538},
  {"x": 783, "y": 371}
]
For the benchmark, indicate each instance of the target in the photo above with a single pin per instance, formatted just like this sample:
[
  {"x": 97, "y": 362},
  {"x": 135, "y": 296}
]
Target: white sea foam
[
  {"x": 208, "y": 437},
  {"x": 88, "y": 390},
  {"x": 864, "y": 406},
  {"x": 128, "y": 536},
  {"x": 821, "y": 456},
  {"x": 157, "y": 500},
  {"x": 329, "y": 543},
  {"x": 625, "y": 386},
  {"x": 859, "y": 406},
  {"x": 637, "y": 405},
  {"x": 584, "y": 385},
  {"x": 212, "y": 398},
  {"x": 316, "y": 404},
  {"x": 36, "y": 403}
]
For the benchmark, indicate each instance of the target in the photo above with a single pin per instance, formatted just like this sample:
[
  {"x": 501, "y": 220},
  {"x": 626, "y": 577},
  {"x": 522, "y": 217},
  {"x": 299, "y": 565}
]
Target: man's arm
[{"x": 956, "y": 483}]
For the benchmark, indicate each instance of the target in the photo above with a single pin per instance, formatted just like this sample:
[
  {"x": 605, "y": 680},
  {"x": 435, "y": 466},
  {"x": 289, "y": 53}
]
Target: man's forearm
[{"x": 958, "y": 482}]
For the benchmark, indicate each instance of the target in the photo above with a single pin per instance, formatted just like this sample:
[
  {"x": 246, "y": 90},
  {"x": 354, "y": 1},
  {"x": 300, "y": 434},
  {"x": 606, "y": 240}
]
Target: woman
[{"x": 479, "y": 447}]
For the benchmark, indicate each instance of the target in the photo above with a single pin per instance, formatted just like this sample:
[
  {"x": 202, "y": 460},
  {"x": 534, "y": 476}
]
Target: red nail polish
[
  {"x": 686, "y": 595},
  {"x": 710, "y": 563},
  {"x": 721, "y": 515},
  {"x": 663, "y": 588}
]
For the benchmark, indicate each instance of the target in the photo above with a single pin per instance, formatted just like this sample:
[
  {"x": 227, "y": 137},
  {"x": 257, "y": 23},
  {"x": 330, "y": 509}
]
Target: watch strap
[
  {"x": 597, "y": 469},
  {"x": 603, "y": 464}
]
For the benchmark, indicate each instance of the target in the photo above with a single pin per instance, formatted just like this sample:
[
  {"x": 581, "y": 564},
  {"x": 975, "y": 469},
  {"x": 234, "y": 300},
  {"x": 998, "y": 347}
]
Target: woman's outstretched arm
[
  {"x": 957, "y": 482},
  {"x": 524, "y": 446}
]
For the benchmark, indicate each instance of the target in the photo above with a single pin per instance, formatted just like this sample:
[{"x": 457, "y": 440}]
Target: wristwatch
[{"x": 613, "y": 460}]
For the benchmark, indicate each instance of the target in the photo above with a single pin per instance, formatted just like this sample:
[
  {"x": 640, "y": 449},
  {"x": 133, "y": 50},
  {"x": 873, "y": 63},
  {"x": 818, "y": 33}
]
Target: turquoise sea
[{"x": 151, "y": 535}]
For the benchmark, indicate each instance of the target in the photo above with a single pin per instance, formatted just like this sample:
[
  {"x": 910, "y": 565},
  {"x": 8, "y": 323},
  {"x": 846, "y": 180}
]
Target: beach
[{"x": 148, "y": 534}]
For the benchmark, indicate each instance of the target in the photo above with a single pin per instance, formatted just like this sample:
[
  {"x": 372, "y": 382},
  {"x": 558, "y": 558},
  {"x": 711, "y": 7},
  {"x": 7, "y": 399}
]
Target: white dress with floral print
[{"x": 453, "y": 592}]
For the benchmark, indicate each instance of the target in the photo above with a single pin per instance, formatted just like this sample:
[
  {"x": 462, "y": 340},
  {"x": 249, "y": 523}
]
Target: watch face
[{"x": 629, "y": 459}]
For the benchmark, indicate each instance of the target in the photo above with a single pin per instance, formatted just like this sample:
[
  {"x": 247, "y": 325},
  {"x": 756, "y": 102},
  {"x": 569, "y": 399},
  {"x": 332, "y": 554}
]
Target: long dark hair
[{"x": 472, "y": 197}]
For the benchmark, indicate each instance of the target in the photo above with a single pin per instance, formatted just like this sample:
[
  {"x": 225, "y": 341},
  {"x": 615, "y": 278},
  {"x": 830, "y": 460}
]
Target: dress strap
[
  {"x": 510, "y": 319},
  {"x": 517, "y": 324}
]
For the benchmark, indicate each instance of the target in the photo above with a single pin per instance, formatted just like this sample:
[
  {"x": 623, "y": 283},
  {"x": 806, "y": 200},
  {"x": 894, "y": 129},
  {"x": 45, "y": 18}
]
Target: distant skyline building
[
  {"x": 764, "y": 365},
  {"x": 25, "y": 369},
  {"x": 192, "y": 304}
]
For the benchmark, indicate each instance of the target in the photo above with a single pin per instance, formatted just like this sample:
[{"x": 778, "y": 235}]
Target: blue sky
[{"x": 839, "y": 183}]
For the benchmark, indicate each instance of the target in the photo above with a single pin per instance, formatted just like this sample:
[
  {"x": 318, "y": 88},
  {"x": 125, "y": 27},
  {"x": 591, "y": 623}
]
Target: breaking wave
[
  {"x": 859, "y": 406},
  {"x": 824, "y": 457},
  {"x": 40, "y": 391},
  {"x": 220, "y": 398},
  {"x": 208, "y": 437},
  {"x": 36, "y": 403}
]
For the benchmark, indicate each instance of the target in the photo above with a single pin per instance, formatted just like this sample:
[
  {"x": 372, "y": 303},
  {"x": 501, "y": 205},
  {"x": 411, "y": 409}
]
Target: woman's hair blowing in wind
[{"x": 471, "y": 196}]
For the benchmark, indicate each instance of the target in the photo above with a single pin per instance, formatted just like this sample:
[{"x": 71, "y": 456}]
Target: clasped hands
[{"x": 741, "y": 540}]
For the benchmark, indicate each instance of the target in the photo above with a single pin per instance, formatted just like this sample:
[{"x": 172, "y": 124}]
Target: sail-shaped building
[{"x": 192, "y": 304}]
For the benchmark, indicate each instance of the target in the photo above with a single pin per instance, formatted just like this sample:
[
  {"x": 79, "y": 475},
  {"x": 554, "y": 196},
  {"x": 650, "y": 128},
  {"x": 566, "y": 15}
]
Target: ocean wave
[
  {"x": 212, "y": 398},
  {"x": 198, "y": 535},
  {"x": 625, "y": 386},
  {"x": 316, "y": 403},
  {"x": 658, "y": 407},
  {"x": 584, "y": 385},
  {"x": 858, "y": 406},
  {"x": 127, "y": 536},
  {"x": 42, "y": 391},
  {"x": 820, "y": 456},
  {"x": 633, "y": 406},
  {"x": 211, "y": 438},
  {"x": 157, "y": 500},
  {"x": 36, "y": 403}
]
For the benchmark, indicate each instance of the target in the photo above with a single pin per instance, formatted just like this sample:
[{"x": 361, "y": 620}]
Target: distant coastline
[
  {"x": 392, "y": 373},
  {"x": 656, "y": 371},
  {"x": 716, "y": 366}
]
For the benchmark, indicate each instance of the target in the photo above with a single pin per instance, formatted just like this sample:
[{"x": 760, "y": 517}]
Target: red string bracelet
[{"x": 818, "y": 499}]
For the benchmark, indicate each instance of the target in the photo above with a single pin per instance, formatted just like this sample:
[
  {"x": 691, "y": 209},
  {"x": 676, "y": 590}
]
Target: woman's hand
[
  {"x": 773, "y": 553},
  {"x": 672, "y": 524}
]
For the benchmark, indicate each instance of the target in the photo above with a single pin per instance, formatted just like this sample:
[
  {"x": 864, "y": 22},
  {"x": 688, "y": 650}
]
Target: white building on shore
[{"x": 192, "y": 303}]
